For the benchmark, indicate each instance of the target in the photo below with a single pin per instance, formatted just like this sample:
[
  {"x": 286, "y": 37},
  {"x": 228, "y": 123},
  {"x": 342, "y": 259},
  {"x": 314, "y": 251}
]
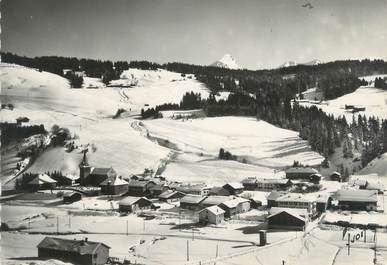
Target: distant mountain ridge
[
  {"x": 227, "y": 61},
  {"x": 293, "y": 63}
]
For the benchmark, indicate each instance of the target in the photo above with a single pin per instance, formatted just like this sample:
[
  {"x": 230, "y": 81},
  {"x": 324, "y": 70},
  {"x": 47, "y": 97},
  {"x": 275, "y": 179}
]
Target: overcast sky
[{"x": 257, "y": 33}]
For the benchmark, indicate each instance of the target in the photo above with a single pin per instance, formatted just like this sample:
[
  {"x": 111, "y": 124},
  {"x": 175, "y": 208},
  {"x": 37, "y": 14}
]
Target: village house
[
  {"x": 365, "y": 184},
  {"x": 138, "y": 187},
  {"x": 219, "y": 191},
  {"x": 272, "y": 198},
  {"x": 211, "y": 215},
  {"x": 134, "y": 204},
  {"x": 335, "y": 176},
  {"x": 214, "y": 200},
  {"x": 71, "y": 197},
  {"x": 287, "y": 218},
  {"x": 273, "y": 184},
  {"x": 323, "y": 202},
  {"x": 363, "y": 200},
  {"x": 235, "y": 206},
  {"x": 195, "y": 189},
  {"x": 157, "y": 189},
  {"x": 250, "y": 183},
  {"x": 42, "y": 182},
  {"x": 191, "y": 202},
  {"x": 300, "y": 172},
  {"x": 297, "y": 200},
  {"x": 75, "y": 251},
  {"x": 234, "y": 188},
  {"x": 171, "y": 196},
  {"x": 114, "y": 186}
]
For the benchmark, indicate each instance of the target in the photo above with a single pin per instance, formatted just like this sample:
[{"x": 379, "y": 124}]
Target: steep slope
[
  {"x": 376, "y": 166},
  {"x": 227, "y": 61}
]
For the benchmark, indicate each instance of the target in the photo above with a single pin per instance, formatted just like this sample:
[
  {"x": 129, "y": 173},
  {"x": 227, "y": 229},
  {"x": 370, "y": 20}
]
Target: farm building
[
  {"x": 286, "y": 219},
  {"x": 272, "y": 198},
  {"x": 323, "y": 202},
  {"x": 297, "y": 200},
  {"x": 234, "y": 188},
  {"x": 69, "y": 180},
  {"x": 171, "y": 196},
  {"x": 211, "y": 215},
  {"x": 98, "y": 175},
  {"x": 357, "y": 199},
  {"x": 235, "y": 206},
  {"x": 114, "y": 186},
  {"x": 138, "y": 188},
  {"x": 75, "y": 251},
  {"x": 273, "y": 184},
  {"x": 250, "y": 183},
  {"x": 195, "y": 189},
  {"x": 191, "y": 202},
  {"x": 300, "y": 172},
  {"x": 315, "y": 178},
  {"x": 42, "y": 182},
  {"x": 214, "y": 200},
  {"x": 133, "y": 204},
  {"x": 72, "y": 197},
  {"x": 156, "y": 190},
  {"x": 219, "y": 191},
  {"x": 365, "y": 184},
  {"x": 335, "y": 176}
]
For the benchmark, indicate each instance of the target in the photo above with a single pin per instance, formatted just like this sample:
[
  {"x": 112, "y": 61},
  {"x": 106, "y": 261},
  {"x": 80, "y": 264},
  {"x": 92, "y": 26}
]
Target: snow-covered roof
[
  {"x": 249, "y": 180},
  {"x": 275, "y": 194},
  {"x": 132, "y": 200},
  {"x": 302, "y": 170},
  {"x": 42, "y": 179},
  {"x": 215, "y": 200},
  {"x": 192, "y": 199},
  {"x": 170, "y": 193},
  {"x": 214, "y": 210},
  {"x": 294, "y": 197},
  {"x": 298, "y": 213},
  {"x": 234, "y": 202},
  {"x": 116, "y": 181},
  {"x": 78, "y": 246},
  {"x": 273, "y": 181},
  {"x": 356, "y": 195},
  {"x": 235, "y": 185}
]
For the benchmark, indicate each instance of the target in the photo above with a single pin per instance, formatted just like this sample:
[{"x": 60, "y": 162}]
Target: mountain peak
[{"x": 227, "y": 61}]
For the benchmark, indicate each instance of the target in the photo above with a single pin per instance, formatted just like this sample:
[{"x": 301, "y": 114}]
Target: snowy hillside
[
  {"x": 227, "y": 61},
  {"x": 373, "y": 99},
  {"x": 377, "y": 166}
]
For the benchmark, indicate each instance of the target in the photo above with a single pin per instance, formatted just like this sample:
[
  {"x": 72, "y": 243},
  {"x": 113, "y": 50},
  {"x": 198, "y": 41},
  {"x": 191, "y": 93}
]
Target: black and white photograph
[{"x": 193, "y": 132}]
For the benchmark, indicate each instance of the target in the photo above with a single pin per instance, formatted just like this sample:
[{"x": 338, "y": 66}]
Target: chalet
[
  {"x": 72, "y": 197},
  {"x": 67, "y": 71},
  {"x": 138, "y": 188},
  {"x": 171, "y": 196},
  {"x": 75, "y": 251},
  {"x": 211, "y": 215},
  {"x": 134, "y": 204},
  {"x": 191, "y": 202},
  {"x": 255, "y": 203},
  {"x": 234, "y": 188},
  {"x": 250, "y": 183},
  {"x": 195, "y": 189},
  {"x": 315, "y": 178},
  {"x": 42, "y": 182},
  {"x": 156, "y": 190},
  {"x": 114, "y": 186},
  {"x": 235, "y": 206},
  {"x": 98, "y": 175},
  {"x": 20, "y": 120},
  {"x": 214, "y": 200},
  {"x": 272, "y": 198},
  {"x": 69, "y": 180},
  {"x": 323, "y": 202},
  {"x": 335, "y": 176},
  {"x": 273, "y": 184},
  {"x": 287, "y": 219},
  {"x": 357, "y": 199},
  {"x": 219, "y": 191},
  {"x": 298, "y": 201},
  {"x": 375, "y": 185},
  {"x": 300, "y": 172}
]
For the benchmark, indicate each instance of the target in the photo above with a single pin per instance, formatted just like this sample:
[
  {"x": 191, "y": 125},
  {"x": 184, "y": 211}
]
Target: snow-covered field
[{"x": 373, "y": 99}]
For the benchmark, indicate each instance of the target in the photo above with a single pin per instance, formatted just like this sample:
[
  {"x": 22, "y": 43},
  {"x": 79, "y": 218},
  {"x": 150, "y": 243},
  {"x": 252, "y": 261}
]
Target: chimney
[{"x": 86, "y": 239}]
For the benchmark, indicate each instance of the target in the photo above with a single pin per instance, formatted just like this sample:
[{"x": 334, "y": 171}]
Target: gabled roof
[
  {"x": 294, "y": 197},
  {"x": 192, "y": 199},
  {"x": 41, "y": 179},
  {"x": 273, "y": 181},
  {"x": 305, "y": 170},
  {"x": 215, "y": 200},
  {"x": 102, "y": 171},
  {"x": 356, "y": 195},
  {"x": 214, "y": 210},
  {"x": 233, "y": 203},
  {"x": 275, "y": 194},
  {"x": 115, "y": 181},
  {"x": 78, "y": 246},
  {"x": 235, "y": 185},
  {"x": 290, "y": 211},
  {"x": 219, "y": 191},
  {"x": 132, "y": 200},
  {"x": 249, "y": 180},
  {"x": 170, "y": 193},
  {"x": 192, "y": 188},
  {"x": 137, "y": 183}
]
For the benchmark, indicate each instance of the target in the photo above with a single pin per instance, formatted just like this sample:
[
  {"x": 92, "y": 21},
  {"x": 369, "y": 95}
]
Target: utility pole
[
  {"x": 217, "y": 250},
  {"x": 193, "y": 237},
  {"x": 187, "y": 250},
  {"x": 349, "y": 244},
  {"x": 57, "y": 224},
  {"x": 143, "y": 228},
  {"x": 70, "y": 221},
  {"x": 127, "y": 227}
]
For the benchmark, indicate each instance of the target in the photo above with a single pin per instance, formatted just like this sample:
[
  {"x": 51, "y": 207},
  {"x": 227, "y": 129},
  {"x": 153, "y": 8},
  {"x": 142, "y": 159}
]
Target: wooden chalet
[
  {"x": 75, "y": 251},
  {"x": 134, "y": 204},
  {"x": 363, "y": 200},
  {"x": 42, "y": 182},
  {"x": 191, "y": 202},
  {"x": 287, "y": 219},
  {"x": 234, "y": 188},
  {"x": 211, "y": 215},
  {"x": 235, "y": 206},
  {"x": 171, "y": 196},
  {"x": 300, "y": 172},
  {"x": 114, "y": 186}
]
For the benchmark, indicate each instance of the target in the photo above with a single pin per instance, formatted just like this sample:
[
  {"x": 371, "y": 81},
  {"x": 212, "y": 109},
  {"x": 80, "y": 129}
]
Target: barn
[
  {"x": 235, "y": 206},
  {"x": 272, "y": 198},
  {"x": 138, "y": 187},
  {"x": 300, "y": 172},
  {"x": 214, "y": 200},
  {"x": 133, "y": 204},
  {"x": 234, "y": 188},
  {"x": 191, "y": 202},
  {"x": 98, "y": 175},
  {"x": 171, "y": 196},
  {"x": 114, "y": 186},
  {"x": 362, "y": 200},
  {"x": 75, "y": 251},
  {"x": 286, "y": 219},
  {"x": 211, "y": 215},
  {"x": 42, "y": 182}
]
